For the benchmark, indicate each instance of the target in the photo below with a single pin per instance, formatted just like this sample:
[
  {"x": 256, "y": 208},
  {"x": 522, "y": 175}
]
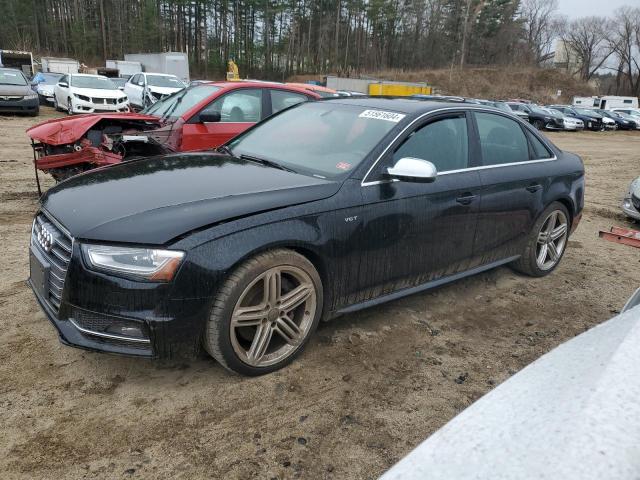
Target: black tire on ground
[
  {"x": 527, "y": 263},
  {"x": 539, "y": 124},
  {"x": 217, "y": 336},
  {"x": 55, "y": 104},
  {"x": 69, "y": 106}
]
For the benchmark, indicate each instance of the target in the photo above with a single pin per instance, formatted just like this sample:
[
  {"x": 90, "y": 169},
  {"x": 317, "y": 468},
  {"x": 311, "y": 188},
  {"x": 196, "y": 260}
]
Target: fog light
[
  {"x": 626, "y": 203},
  {"x": 125, "y": 330}
]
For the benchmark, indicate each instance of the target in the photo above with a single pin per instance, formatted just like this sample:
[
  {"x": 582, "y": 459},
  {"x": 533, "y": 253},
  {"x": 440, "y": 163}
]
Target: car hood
[
  {"x": 61, "y": 131},
  {"x": 15, "y": 90},
  {"x": 155, "y": 200},
  {"x": 45, "y": 88},
  {"x": 97, "y": 92},
  {"x": 163, "y": 90}
]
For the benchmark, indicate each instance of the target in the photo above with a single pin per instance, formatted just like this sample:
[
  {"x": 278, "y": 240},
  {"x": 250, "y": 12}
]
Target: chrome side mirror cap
[{"x": 411, "y": 169}]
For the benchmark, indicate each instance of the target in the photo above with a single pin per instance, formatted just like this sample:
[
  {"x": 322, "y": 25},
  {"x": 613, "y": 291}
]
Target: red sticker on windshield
[{"x": 343, "y": 166}]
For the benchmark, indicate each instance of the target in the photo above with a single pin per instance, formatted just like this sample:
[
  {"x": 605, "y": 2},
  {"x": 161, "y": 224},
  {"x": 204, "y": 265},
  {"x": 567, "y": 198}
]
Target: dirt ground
[{"x": 368, "y": 389}]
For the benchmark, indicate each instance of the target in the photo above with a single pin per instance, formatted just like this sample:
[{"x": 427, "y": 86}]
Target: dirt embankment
[
  {"x": 368, "y": 389},
  {"x": 537, "y": 84}
]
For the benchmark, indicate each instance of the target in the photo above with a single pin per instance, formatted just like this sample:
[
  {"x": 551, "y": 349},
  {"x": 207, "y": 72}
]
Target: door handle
[
  {"x": 465, "y": 198},
  {"x": 534, "y": 187}
]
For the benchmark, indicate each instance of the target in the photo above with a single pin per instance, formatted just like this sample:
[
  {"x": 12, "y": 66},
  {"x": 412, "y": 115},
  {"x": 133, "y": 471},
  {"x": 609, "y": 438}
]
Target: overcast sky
[{"x": 585, "y": 8}]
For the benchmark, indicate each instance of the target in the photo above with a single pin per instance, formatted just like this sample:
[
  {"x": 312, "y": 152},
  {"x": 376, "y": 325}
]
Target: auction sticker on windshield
[{"x": 382, "y": 115}]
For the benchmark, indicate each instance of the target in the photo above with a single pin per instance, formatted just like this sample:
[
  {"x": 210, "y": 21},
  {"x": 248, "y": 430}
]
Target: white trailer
[
  {"x": 173, "y": 63},
  {"x": 606, "y": 102},
  {"x": 59, "y": 65},
  {"x": 124, "y": 67}
]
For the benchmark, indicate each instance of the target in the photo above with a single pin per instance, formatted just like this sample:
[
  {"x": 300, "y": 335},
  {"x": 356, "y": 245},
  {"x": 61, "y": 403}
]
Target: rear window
[
  {"x": 539, "y": 150},
  {"x": 501, "y": 140}
]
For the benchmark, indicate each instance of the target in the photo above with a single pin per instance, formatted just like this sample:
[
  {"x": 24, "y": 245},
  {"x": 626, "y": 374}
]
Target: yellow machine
[
  {"x": 399, "y": 89},
  {"x": 233, "y": 74}
]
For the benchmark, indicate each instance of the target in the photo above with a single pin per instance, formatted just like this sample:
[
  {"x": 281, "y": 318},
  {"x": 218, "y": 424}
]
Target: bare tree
[
  {"x": 624, "y": 42},
  {"x": 586, "y": 40},
  {"x": 541, "y": 26}
]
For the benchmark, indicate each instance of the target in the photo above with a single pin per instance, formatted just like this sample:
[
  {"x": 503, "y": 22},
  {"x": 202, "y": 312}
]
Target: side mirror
[
  {"x": 121, "y": 88},
  {"x": 141, "y": 83},
  {"x": 411, "y": 169},
  {"x": 63, "y": 84},
  {"x": 207, "y": 117}
]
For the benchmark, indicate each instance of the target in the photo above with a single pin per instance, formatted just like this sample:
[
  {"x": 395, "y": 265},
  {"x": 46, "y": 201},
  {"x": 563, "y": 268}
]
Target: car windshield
[
  {"x": 323, "y": 139},
  {"x": 584, "y": 111},
  {"x": 178, "y": 103},
  {"x": 10, "y": 77},
  {"x": 556, "y": 112},
  {"x": 119, "y": 82},
  {"x": 99, "y": 83},
  {"x": 49, "y": 78},
  {"x": 164, "y": 81}
]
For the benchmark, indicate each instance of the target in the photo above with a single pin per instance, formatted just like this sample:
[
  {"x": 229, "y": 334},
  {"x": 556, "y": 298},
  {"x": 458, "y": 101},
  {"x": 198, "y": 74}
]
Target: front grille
[
  {"x": 55, "y": 244},
  {"x": 636, "y": 202},
  {"x": 103, "y": 101},
  {"x": 11, "y": 98}
]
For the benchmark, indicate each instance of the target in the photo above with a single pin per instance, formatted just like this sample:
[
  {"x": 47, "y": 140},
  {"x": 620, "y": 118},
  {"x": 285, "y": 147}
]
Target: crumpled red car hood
[{"x": 60, "y": 131}]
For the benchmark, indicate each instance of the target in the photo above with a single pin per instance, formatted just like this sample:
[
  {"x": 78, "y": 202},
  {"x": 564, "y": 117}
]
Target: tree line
[{"x": 279, "y": 38}]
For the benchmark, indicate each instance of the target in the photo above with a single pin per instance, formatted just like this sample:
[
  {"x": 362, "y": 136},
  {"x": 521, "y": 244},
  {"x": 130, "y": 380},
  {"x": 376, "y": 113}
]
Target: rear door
[
  {"x": 239, "y": 109},
  {"x": 515, "y": 177}
]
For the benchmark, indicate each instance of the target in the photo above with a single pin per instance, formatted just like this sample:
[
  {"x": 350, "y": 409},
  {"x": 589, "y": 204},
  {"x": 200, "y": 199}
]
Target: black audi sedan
[{"x": 324, "y": 209}]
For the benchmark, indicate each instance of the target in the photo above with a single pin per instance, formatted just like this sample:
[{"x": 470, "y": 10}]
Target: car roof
[
  {"x": 399, "y": 104},
  {"x": 158, "y": 74},
  {"x": 261, "y": 84}
]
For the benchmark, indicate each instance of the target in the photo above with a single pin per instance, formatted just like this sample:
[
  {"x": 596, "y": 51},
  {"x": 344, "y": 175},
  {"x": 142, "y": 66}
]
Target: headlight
[
  {"x": 136, "y": 263},
  {"x": 84, "y": 98}
]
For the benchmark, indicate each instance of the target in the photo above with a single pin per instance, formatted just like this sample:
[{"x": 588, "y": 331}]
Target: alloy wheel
[
  {"x": 551, "y": 240},
  {"x": 273, "y": 316}
]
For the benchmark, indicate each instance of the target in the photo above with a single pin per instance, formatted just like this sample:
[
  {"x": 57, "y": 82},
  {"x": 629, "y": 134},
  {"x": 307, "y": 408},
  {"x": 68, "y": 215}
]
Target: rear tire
[
  {"x": 547, "y": 242},
  {"x": 276, "y": 296}
]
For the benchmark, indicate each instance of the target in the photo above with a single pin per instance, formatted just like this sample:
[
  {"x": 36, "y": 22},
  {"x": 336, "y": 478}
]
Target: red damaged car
[{"x": 196, "y": 118}]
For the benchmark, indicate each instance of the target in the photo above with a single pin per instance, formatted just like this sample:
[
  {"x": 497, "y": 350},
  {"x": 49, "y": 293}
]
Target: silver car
[{"x": 631, "y": 202}]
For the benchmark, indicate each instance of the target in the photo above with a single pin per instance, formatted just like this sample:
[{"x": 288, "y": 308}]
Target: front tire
[
  {"x": 546, "y": 243},
  {"x": 539, "y": 124},
  {"x": 264, "y": 313},
  {"x": 55, "y": 104},
  {"x": 69, "y": 106}
]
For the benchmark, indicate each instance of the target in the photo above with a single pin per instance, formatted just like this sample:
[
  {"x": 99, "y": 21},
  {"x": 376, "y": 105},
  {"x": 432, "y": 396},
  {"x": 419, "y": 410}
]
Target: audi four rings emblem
[{"x": 45, "y": 239}]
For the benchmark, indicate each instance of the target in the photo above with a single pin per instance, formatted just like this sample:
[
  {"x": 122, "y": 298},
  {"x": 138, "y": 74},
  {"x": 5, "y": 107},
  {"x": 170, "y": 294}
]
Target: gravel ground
[{"x": 369, "y": 387}]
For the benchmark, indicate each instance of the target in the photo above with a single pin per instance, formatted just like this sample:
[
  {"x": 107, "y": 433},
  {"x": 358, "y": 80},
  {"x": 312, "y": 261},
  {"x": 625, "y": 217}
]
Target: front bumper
[
  {"x": 629, "y": 209},
  {"x": 167, "y": 323},
  {"x": 30, "y": 105},
  {"x": 82, "y": 106},
  {"x": 573, "y": 127}
]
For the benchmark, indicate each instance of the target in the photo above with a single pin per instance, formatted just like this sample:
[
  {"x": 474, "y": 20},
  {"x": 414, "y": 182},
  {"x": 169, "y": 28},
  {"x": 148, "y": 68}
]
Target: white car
[
  {"x": 81, "y": 93},
  {"x": 570, "y": 123},
  {"x": 144, "y": 89},
  {"x": 43, "y": 84}
]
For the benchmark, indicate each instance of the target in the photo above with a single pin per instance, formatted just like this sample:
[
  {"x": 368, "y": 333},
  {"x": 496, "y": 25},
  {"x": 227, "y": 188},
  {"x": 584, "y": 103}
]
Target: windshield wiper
[
  {"x": 268, "y": 163},
  {"x": 226, "y": 150}
]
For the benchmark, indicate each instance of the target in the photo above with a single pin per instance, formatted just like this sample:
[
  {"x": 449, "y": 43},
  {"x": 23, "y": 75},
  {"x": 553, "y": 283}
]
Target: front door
[
  {"x": 411, "y": 233},
  {"x": 238, "y": 109}
]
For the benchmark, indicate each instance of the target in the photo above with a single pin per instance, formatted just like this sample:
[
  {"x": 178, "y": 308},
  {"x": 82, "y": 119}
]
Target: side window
[
  {"x": 281, "y": 99},
  {"x": 501, "y": 140},
  {"x": 64, "y": 79},
  {"x": 444, "y": 143},
  {"x": 135, "y": 78},
  {"x": 244, "y": 105},
  {"x": 539, "y": 150}
]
